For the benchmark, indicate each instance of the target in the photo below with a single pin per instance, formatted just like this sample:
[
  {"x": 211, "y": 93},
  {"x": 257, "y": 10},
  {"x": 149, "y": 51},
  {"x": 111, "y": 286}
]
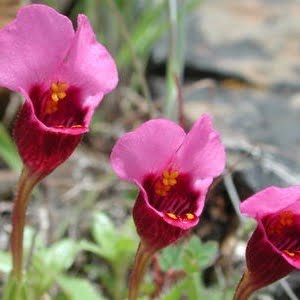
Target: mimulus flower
[
  {"x": 273, "y": 251},
  {"x": 173, "y": 171},
  {"x": 62, "y": 75}
]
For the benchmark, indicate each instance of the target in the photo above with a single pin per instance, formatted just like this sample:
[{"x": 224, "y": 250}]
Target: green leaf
[
  {"x": 149, "y": 27},
  {"x": 61, "y": 255},
  {"x": 147, "y": 30},
  {"x": 78, "y": 289},
  {"x": 176, "y": 291},
  {"x": 105, "y": 235},
  {"x": 171, "y": 258},
  {"x": 8, "y": 151},
  {"x": 198, "y": 255}
]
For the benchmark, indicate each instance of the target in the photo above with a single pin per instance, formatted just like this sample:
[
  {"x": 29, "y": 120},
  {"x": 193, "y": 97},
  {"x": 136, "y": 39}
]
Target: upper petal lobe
[{"x": 33, "y": 46}]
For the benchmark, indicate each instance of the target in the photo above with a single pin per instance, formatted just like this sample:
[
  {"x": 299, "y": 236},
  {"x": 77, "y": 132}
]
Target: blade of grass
[
  {"x": 135, "y": 59},
  {"x": 8, "y": 151}
]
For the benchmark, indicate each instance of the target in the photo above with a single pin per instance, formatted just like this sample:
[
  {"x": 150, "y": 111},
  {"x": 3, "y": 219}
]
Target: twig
[{"x": 233, "y": 195}]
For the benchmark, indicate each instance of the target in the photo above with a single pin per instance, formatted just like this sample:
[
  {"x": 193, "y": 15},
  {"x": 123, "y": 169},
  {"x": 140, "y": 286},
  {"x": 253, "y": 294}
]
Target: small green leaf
[
  {"x": 198, "y": 255},
  {"x": 78, "y": 289},
  {"x": 176, "y": 291},
  {"x": 61, "y": 255},
  {"x": 171, "y": 258}
]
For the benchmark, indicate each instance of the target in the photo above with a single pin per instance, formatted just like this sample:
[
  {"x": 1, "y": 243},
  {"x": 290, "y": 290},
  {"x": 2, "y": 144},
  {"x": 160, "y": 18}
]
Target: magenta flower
[
  {"x": 173, "y": 171},
  {"x": 62, "y": 75},
  {"x": 273, "y": 251}
]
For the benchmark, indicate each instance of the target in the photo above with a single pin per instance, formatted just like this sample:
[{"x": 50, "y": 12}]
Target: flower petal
[
  {"x": 202, "y": 186},
  {"x": 146, "y": 150},
  {"x": 42, "y": 148},
  {"x": 89, "y": 65},
  {"x": 202, "y": 152},
  {"x": 33, "y": 46},
  {"x": 270, "y": 200}
]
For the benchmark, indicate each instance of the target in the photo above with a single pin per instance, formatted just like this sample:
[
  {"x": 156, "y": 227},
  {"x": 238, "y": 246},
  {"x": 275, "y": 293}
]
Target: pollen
[{"x": 58, "y": 92}]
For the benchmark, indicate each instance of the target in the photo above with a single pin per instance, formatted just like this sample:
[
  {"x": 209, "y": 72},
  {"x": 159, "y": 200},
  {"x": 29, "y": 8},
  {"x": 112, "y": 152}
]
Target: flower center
[
  {"x": 173, "y": 196},
  {"x": 283, "y": 221},
  {"x": 283, "y": 231},
  {"x": 58, "y": 92}
]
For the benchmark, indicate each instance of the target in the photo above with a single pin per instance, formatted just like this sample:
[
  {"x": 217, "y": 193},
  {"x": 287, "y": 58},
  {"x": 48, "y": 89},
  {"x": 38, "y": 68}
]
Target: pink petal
[
  {"x": 270, "y": 200},
  {"x": 202, "y": 152},
  {"x": 202, "y": 186},
  {"x": 88, "y": 65},
  {"x": 32, "y": 46},
  {"x": 146, "y": 150}
]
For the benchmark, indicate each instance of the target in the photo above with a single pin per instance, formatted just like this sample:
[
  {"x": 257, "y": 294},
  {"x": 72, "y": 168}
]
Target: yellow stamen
[
  {"x": 169, "y": 178},
  {"x": 167, "y": 181},
  {"x": 58, "y": 92},
  {"x": 172, "y": 216},
  {"x": 190, "y": 216},
  {"x": 289, "y": 253},
  {"x": 76, "y": 126}
]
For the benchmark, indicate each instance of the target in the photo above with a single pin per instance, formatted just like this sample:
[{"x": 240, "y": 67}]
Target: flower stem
[
  {"x": 142, "y": 259},
  {"x": 25, "y": 186},
  {"x": 244, "y": 289}
]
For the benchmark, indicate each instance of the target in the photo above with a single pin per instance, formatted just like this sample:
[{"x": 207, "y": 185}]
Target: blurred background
[{"x": 236, "y": 60}]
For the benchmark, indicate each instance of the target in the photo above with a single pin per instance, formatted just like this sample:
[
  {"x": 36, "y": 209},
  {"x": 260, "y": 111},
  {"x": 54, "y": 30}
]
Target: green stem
[
  {"x": 25, "y": 186},
  {"x": 142, "y": 259}
]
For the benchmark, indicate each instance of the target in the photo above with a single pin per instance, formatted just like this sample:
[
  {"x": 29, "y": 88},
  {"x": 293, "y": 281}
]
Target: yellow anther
[
  {"x": 290, "y": 253},
  {"x": 166, "y": 182},
  {"x": 169, "y": 178},
  {"x": 172, "y": 216},
  {"x": 190, "y": 216},
  {"x": 286, "y": 218},
  {"x": 76, "y": 126},
  {"x": 58, "y": 90}
]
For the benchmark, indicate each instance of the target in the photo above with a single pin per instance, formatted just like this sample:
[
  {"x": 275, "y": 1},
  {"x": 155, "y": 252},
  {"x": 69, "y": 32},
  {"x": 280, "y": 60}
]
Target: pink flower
[
  {"x": 62, "y": 75},
  {"x": 173, "y": 171},
  {"x": 273, "y": 251}
]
